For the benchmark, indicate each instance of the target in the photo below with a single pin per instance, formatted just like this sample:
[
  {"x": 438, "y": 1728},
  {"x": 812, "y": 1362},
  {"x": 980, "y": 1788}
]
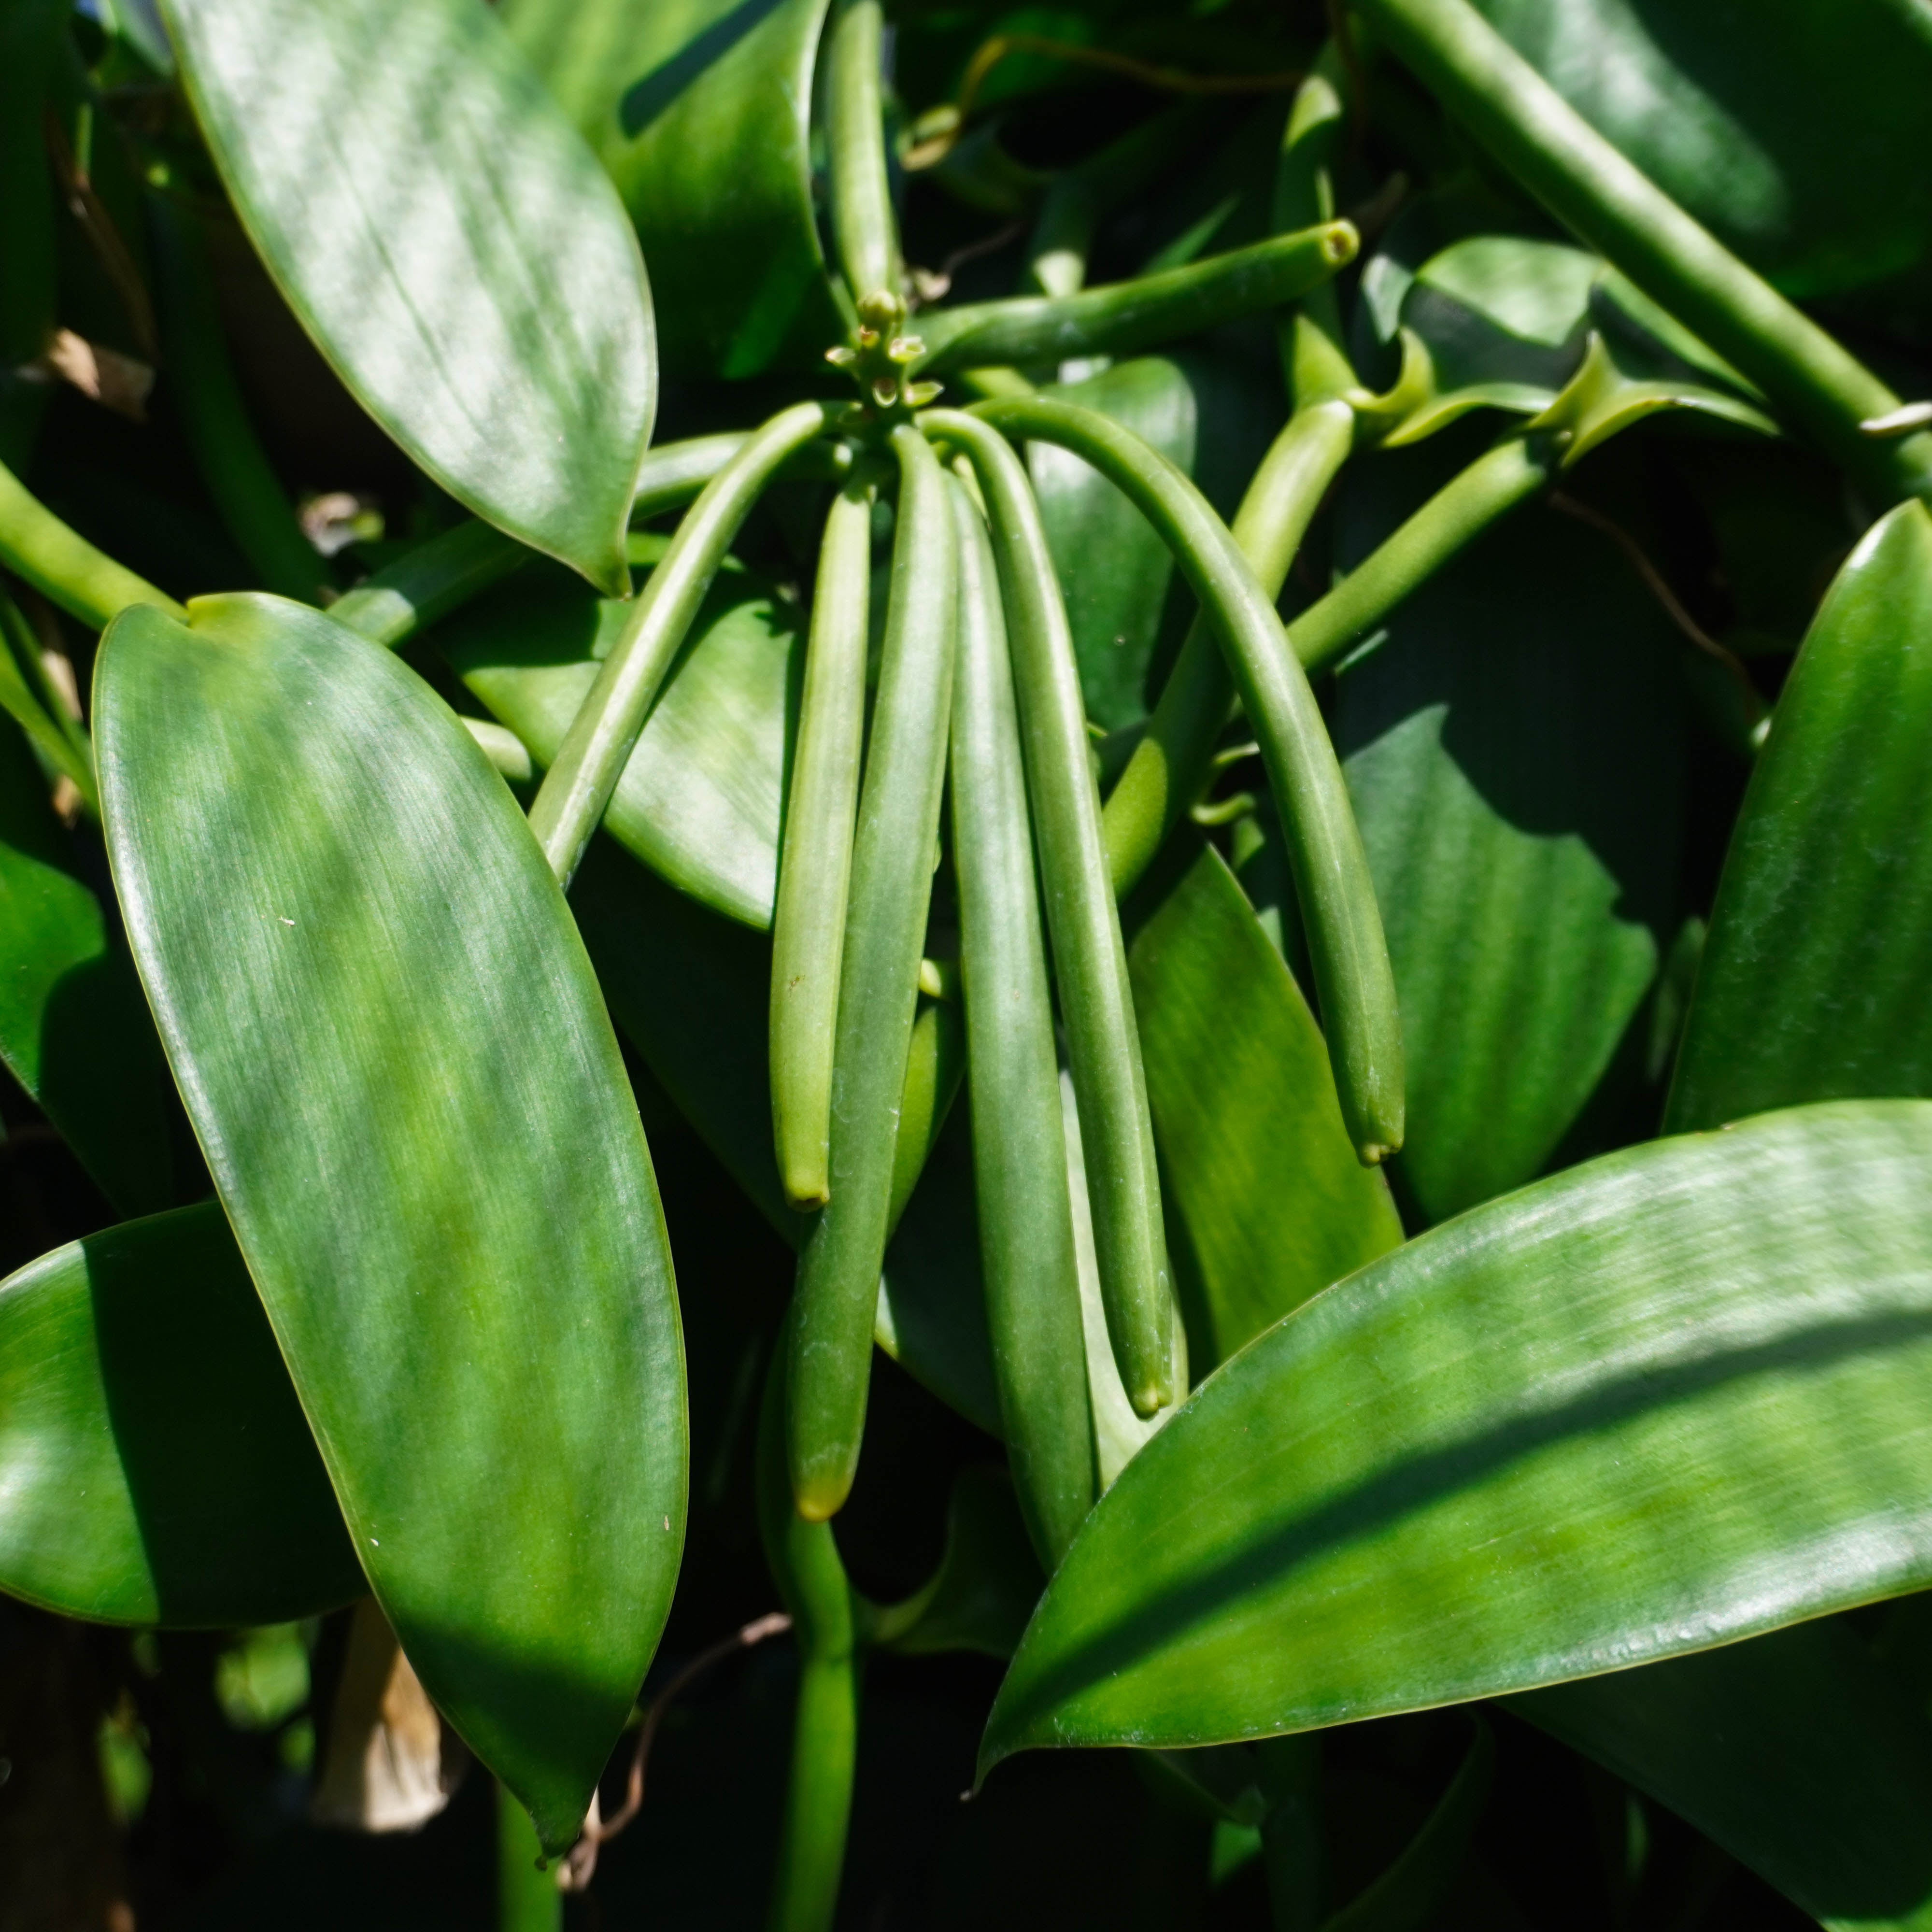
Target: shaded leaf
[
  {"x": 701, "y": 110},
  {"x": 449, "y": 242},
  {"x": 1667, "y": 1399},
  {"x": 701, "y": 798},
  {"x": 390, "y": 1043},
  {"x": 157, "y": 1466},
  {"x": 1812, "y": 984},
  {"x": 985, "y": 1586}
]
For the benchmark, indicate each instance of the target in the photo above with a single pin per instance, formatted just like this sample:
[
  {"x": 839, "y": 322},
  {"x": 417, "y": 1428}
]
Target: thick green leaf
[
  {"x": 1267, "y": 1203},
  {"x": 157, "y": 1466},
  {"x": 1673, "y": 1397},
  {"x": 73, "y": 1030},
  {"x": 692, "y": 992},
  {"x": 1514, "y": 755},
  {"x": 392, "y": 1045},
  {"x": 701, "y": 798},
  {"x": 1795, "y": 133},
  {"x": 1211, "y": 416},
  {"x": 1799, "y": 1753},
  {"x": 449, "y": 242},
  {"x": 701, "y": 111},
  {"x": 1814, "y": 978}
]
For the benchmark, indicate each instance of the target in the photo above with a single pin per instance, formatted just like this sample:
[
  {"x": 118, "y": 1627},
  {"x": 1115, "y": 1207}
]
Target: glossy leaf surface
[
  {"x": 74, "y": 1029},
  {"x": 157, "y": 1466},
  {"x": 1514, "y": 753},
  {"x": 700, "y": 800},
  {"x": 1668, "y": 1399},
  {"x": 391, "y": 1042},
  {"x": 701, "y": 110},
  {"x": 449, "y": 243},
  {"x": 1813, "y": 981},
  {"x": 1771, "y": 123},
  {"x": 1799, "y": 1753},
  {"x": 1267, "y": 1203}
]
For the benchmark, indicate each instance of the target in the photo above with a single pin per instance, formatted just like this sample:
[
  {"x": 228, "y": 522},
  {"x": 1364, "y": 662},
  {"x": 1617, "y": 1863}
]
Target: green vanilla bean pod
[
  {"x": 837, "y": 1289},
  {"x": 63, "y": 566},
  {"x": 1582, "y": 179},
  {"x": 815, "y": 863},
  {"x": 1027, "y": 1253},
  {"x": 200, "y": 379},
  {"x": 442, "y": 575},
  {"x": 1123, "y": 317},
  {"x": 1089, "y": 960},
  {"x": 601, "y": 739},
  {"x": 1325, "y": 846},
  {"x": 804, "y": 1560},
  {"x": 1173, "y": 760},
  {"x": 935, "y": 1062},
  {"x": 862, "y": 205}
]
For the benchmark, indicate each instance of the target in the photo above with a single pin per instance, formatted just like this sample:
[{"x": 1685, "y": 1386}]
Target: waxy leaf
[
  {"x": 157, "y": 1466},
  {"x": 1813, "y": 982},
  {"x": 1513, "y": 752},
  {"x": 73, "y": 1030},
  {"x": 1267, "y": 1203},
  {"x": 701, "y": 110},
  {"x": 450, "y": 244},
  {"x": 1799, "y": 1752},
  {"x": 1671, "y": 1398},
  {"x": 392, "y": 1045},
  {"x": 700, "y": 800}
]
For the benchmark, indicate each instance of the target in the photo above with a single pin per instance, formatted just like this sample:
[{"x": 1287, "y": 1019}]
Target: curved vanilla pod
[
  {"x": 1551, "y": 150},
  {"x": 1171, "y": 764},
  {"x": 815, "y": 863},
  {"x": 810, "y": 1575},
  {"x": 862, "y": 225},
  {"x": 891, "y": 889},
  {"x": 1026, "y": 1255},
  {"x": 1122, "y": 317},
  {"x": 577, "y": 787},
  {"x": 1325, "y": 846},
  {"x": 1089, "y": 959}
]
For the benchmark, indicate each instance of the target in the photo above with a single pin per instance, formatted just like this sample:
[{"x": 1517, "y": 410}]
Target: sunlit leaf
[{"x": 392, "y": 1045}]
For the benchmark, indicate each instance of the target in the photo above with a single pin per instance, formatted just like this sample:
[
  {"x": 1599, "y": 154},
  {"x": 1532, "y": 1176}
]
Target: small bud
[
  {"x": 905, "y": 348},
  {"x": 885, "y": 392},
  {"x": 841, "y": 357},
  {"x": 918, "y": 394},
  {"x": 881, "y": 311}
]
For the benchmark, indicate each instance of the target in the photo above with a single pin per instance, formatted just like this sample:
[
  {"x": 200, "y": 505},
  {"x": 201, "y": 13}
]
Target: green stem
[
  {"x": 1123, "y": 317},
  {"x": 597, "y": 747},
  {"x": 806, "y": 1565},
  {"x": 1583, "y": 180},
  {"x": 247, "y": 493},
  {"x": 861, "y": 203},
  {"x": 63, "y": 566},
  {"x": 527, "y": 1899},
  {"x": 815, "y": 865},
  {"x": 1089, "y": 960},
  {"x": 1313, "y": 359},
  {"x": 1172, "y": 763},
  {"x": 891, "y": 889},
  {"x": 1027, "y": 1254},
  {"x": 1331, "y": 870}
]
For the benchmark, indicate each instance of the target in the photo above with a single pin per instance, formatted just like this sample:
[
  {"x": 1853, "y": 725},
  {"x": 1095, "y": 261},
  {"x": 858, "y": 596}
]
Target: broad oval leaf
[
  {"x": 702, "y": 798},
  {"x": 1267, "y": 1204},
  {"x": 701, "y": 110},
  {"x": 1514, "y": 750},
  {"x": 1673, "y": 1397},
  {"x": 449, "y": 242},
  {"x": 157, "y": 1466},
  {"x": 1813, "y": 982},
  {"x": 395, "y": 1054},
  {"x": 73, "y": 1030}
]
